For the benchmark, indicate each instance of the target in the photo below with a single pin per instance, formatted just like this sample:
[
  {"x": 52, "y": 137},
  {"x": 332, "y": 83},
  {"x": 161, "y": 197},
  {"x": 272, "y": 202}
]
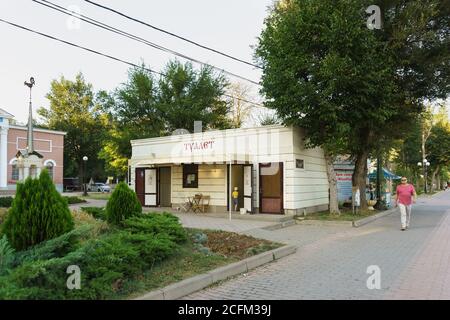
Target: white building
[{"x": 272, "y": 169}]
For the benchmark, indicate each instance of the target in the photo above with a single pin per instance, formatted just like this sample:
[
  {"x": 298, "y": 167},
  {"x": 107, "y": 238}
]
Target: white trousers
[{"x": 405, "y": 214}]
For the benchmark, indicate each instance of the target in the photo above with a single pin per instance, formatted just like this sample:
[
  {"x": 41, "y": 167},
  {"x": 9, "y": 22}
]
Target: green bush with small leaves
[
  {"x": 74, "y": 200},
  {"x": 106, "y": 261},
  {"x": 96, "y": 212},
  {"x": 5, "y": 202},
  {"x": 122, "y": 204},
  {"x": 6, "y": 254},
  {"x": 157, "y": 223},
  {"x": 38, "y": 213}
]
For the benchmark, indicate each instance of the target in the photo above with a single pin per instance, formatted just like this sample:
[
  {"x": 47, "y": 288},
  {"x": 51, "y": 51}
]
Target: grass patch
[
  {"x": 346, "y": 215},
  {"x": 206, "y": 250},
  {"x": 187, "y": 263}
]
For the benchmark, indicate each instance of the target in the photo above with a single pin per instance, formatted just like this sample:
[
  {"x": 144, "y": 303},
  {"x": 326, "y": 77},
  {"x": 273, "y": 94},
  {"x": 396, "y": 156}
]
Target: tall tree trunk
[
  {"x": 439, "y": 182},
  {"x": 332, "y": 184},
  {"x": 433, "y": 178},
  {"x": 359, "y": 177}
]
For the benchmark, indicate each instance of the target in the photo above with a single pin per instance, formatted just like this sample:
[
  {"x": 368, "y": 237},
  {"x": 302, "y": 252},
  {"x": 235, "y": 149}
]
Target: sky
[{"x": 231, "y": 26}]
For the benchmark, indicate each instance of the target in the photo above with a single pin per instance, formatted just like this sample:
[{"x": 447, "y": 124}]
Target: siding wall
[
  {"x": 303, "y": 188},
  {"x": 211, "y": 181},
  {"x": 306, "y": 187}
]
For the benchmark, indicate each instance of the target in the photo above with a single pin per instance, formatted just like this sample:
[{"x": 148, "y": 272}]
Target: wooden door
[
  {"x": 164, "y": 192},
  {"x": 139, "y": 185},
  {"x": 271, "y": 187}
]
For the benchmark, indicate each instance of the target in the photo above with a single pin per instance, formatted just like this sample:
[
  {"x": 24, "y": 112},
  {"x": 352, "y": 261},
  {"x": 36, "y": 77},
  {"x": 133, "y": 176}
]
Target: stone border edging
[
  {"x": 313, "y": 222},
  {"x": 280, "y": 225},
  {"x": 363, "y": 221},
  {"x": 199, "y": 282}
]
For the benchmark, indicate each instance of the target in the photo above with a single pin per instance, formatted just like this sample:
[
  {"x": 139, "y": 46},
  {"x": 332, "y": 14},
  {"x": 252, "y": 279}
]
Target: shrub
[
  {"x": 106, "y": 263},
  {"x": 5, "y": 202},
  {"x": 3, "y": 213},
  {"x": 96, "y": 212},
  {"x": 122, "y": 204},
  {"x": 157, "y": 223},
  {"x": 200, "y": 237},
  {"x": 6, "y": 254},
  {"x": 81, "y": 217},
  {"x": 38, "y": 213},
  {"x": 57, "y": 247},
  {"x": 74, "y": 199}
]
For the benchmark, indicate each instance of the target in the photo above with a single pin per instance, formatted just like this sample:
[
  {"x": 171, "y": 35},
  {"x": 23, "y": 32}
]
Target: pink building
[{"x": 47, "y": 143}]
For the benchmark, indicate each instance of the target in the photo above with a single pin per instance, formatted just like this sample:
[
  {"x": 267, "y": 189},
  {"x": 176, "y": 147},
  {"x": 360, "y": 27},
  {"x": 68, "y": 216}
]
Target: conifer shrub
[
  {"x": 122, "y": 204},
  {"x": 96, "y": 212},
  {"x": 74, "y": 200},
  {"x": 3, "y": 214},
  {"x": 157, "y": 224},
  {"x": 106, "y": 262},
  {"x": 5, "y": 202},
  {"x": 6, "y": 254},
  {"x": 38, "y": 213}
]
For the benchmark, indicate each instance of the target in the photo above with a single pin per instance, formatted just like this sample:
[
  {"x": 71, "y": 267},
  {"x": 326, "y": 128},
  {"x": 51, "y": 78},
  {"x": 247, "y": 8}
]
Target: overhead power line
[
  {"x": 110, "y": 28},
  {"x": 172, "y": 34},
  {"x": 104, "y": 54}
]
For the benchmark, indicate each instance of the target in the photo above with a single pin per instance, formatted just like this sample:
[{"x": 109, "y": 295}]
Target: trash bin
[{"x": 243, "y": 211}]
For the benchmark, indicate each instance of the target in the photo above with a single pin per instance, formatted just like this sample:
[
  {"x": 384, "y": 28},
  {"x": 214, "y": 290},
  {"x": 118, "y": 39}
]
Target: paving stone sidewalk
[{"x": 332, "y": 262}]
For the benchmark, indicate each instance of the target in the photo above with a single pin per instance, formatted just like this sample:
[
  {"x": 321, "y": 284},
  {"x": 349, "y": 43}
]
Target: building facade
[
  {"x": 47, "y": 151},
  {"x": 270, "y": 166}
]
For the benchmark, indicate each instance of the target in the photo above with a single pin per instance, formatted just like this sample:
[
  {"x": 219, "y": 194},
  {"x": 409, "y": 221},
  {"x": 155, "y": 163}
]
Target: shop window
[
  {"x": 190, "y": 176},
  {"x": 300, "y": 163}
]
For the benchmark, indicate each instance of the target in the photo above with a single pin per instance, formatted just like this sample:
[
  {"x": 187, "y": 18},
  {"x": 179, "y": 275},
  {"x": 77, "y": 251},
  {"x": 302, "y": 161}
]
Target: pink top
[{"x": 405, "y": 193}]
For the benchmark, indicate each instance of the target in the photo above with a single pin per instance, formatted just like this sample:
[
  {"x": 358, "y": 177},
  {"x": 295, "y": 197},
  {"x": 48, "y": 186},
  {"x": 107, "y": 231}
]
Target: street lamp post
[
  {"x": 424, "y": 164},
  {"x": 85, "y": 159}
]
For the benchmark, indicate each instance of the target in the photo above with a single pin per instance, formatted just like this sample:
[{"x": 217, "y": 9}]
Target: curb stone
[
  {"x": 280, "y": 225},
  {"x": 324, "y": 223},
  {"x": 187, "y": 286},
  {"x": 283, "y": 252},
  {"x": 227, "y": 271},
  {"x": 361, "y": 222},
  {"x": 191, "y": 285}
]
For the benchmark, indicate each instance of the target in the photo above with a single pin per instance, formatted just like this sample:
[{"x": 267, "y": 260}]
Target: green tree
[
  {"x": 122, "y": 204},
  {"x": 74, "y": 109},
  {"x": 438, "y": 147},
  {"x": 38, "y": 213},
  {"x": 325, "y": 71},
  {"x": 145, "y": 107},
  {"x": 133, "y": 113},
  {"x": 186, "y": 95}
]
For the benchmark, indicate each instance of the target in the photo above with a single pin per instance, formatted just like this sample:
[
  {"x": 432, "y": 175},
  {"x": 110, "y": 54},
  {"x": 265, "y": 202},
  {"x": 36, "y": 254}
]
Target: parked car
[{"x": 99, "y": 187}]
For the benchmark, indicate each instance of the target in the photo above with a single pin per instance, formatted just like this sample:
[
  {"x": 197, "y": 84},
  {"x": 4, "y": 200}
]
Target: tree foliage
[
  {"x": 38, "y": 213},
  {"x": 122, "y": 204},
  {"x": 75, "y": 110},
  {"x": 325, "y": 71},
  {"x": 146, "y": 107}
]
